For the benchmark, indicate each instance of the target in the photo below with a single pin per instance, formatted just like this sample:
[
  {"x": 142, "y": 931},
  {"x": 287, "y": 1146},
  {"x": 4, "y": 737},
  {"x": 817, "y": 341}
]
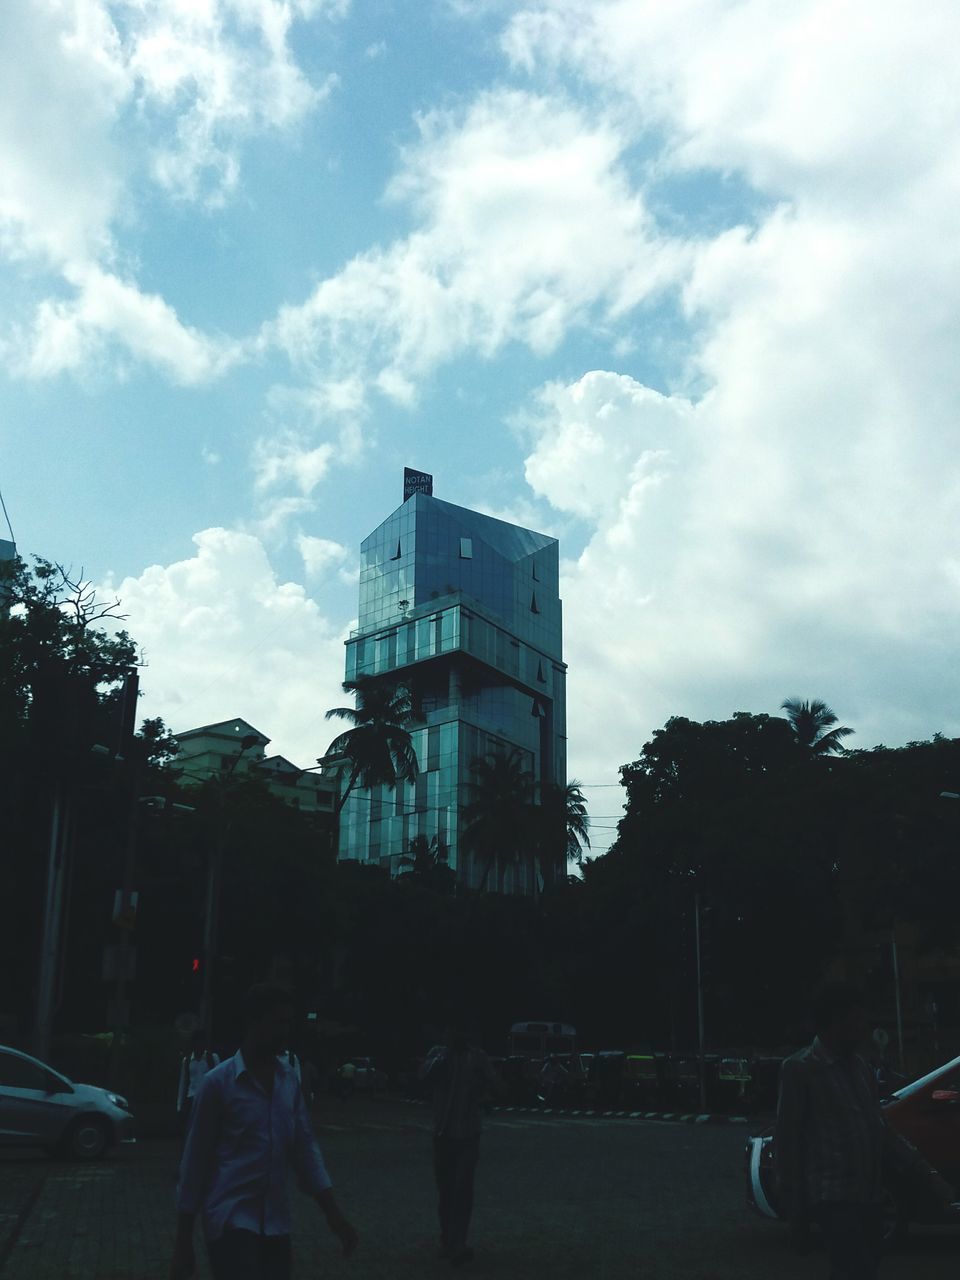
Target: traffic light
[{"x": 195, "y": 964}]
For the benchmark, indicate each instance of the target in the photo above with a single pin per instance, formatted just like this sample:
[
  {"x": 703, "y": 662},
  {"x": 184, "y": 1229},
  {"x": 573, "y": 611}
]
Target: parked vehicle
[
  {"x": 641, "y": 1086},
  {"x": 680, "y": 1081},
  {"x": 408, "y": 1080},
  {"x": 926, "y": 1113},
  {"x": 521, "y": 1078},
  {"x": 367, "y": 1077},
  {"x": 540, "y": 1039},
  {"x": 606, "y": 1081},
  {"x": 41, "y": 1107}
]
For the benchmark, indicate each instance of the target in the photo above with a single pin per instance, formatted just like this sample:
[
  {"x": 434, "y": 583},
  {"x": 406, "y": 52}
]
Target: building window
[
  {"x": 540, "y": 676},
  {"x": 398, "y": 552},
  {"x": 536, "y": 576},
  {"x": 537, "y": 710},
  {"x": 466, "y": 548},
  {"x": 533, "y": 603}
]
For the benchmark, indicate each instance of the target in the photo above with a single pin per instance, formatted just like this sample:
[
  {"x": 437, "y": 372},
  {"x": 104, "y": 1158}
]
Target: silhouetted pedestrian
[
  {"x": 553, "y": 1076},
  {"x": 831, "y": 1140},
  {"x": 292, "y": 1060},
  {"x": 346, "y": 1080},
  {"x": 460, "y": 1076},
  {"x": 193, "y": 1067},
  {"x": 249, "y": 1125}
]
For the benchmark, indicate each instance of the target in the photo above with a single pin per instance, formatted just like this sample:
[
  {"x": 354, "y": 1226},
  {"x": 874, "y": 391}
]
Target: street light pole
[{"x": 701, "y": 1036}]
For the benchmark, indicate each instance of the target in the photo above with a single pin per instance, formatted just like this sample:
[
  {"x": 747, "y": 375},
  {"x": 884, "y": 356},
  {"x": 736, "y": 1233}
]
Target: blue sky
[{"x": 675, "y": 282}]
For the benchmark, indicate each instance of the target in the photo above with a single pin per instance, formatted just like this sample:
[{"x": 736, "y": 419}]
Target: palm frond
[{"x": 341, "y": 713}]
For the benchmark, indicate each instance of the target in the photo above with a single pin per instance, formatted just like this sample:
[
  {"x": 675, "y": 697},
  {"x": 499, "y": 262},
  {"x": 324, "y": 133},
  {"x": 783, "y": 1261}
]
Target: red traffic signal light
[{"x": 195, "y": 964}]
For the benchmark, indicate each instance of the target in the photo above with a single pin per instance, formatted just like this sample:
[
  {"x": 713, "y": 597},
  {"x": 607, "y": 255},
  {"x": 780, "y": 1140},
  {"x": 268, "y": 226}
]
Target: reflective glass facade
[{"x": 468, "y": 609}]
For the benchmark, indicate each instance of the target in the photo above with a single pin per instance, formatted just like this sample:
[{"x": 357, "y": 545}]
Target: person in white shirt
[
  {"x": 291, "y": 1059},
  {"x": 193, "y": 1067},
  {"x": 249, "y": 1126}
]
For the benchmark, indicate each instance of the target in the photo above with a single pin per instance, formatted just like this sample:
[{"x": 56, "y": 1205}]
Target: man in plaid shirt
[{"x": 831, "y": 1141}]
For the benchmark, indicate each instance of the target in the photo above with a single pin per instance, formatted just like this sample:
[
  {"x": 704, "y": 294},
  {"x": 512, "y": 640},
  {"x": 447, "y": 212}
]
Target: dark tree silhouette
[
  {"x": 562, "y": 829},
  {"x": 499, "y": 817},
  {"x": 378, "y": 746},
  {"x": 426, "y": 864},
  {"x": 815, "y": 726}
]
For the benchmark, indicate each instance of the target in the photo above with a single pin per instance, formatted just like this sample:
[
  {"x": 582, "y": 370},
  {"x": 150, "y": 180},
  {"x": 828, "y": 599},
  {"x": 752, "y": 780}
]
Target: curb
[{"x": 674, "y": 1117}]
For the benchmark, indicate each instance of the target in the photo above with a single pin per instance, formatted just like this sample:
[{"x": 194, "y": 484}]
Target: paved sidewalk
[{"x": 558, "y": 1197}]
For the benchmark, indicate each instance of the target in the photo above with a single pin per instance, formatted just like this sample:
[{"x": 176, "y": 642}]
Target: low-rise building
[{"x": 236, "y": 748}]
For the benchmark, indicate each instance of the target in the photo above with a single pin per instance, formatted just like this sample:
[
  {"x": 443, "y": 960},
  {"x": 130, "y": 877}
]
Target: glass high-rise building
[{"x": 466, "y": 611}]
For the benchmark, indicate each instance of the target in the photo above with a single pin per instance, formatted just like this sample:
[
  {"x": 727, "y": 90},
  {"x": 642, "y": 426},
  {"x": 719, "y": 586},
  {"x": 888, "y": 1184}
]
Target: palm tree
[
  {"x": 499, "y": 826},
  {"x": 378, "y": 747},
  {"x": 562, "y": 828},
  {"x": 813, "y": 726},
  {"x": 427, "y": 863}
]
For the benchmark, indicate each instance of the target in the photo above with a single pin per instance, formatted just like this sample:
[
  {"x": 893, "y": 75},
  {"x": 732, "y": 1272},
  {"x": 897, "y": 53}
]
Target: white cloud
[
  {"x": 527, "y": 226},
  {"x": 68, "y": 336},
  {"x": 223, "y": 70},
  {"x": 603, "y": 440},
  {"x": 90, "y": 91},
  {"x": 223, "y": 636},
  {"x": 320, "y": 554},
  {"x": 784, "y": 521},
  {"x": 289, "y": 456},
  {"x": 794, "y": 527},
  {"x": 806, "y": 98},
  {"x": 276, "y": 514},
  {"x": 287, "y": 461}
]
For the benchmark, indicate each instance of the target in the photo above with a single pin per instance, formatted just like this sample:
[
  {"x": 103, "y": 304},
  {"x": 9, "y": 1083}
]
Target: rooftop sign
[{"x": 416, "y": 482}]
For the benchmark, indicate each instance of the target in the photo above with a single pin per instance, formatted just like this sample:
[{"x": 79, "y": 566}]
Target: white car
[
  {"x": 368, "y": 1078},
  {"x": 41, "y": 1107}
]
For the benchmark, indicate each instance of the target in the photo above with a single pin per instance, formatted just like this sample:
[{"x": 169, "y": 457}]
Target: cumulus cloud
[
  {"x": 320, "y": 554},
  {"x": 527, "y": 226},
  {"x": 75, "y": 334},
  {"x": 603, "y": 440},
  {"x": 224, "y": 70},
  {"x": 90, "y": 90},
  {"x": 289, "y": 456},
  {"x": 809, "y": 97},
  {"x": 223, "y": 636},
  {"x": 287, "y": 461},
  {"x": 778, "y": 515},
  {"x": 793, "y": 524}
]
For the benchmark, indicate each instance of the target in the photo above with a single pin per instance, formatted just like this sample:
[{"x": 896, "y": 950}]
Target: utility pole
[
  {"x": 211, "y": 923},
  {"x": 896, "y": 994},
  {"x": 60, "y": 823},
  {"x": 701, "y": 1037}
]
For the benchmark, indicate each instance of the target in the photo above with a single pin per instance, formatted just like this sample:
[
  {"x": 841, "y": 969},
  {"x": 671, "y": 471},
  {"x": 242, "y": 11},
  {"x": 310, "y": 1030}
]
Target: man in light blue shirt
[{"x": 248, "y": 1127}]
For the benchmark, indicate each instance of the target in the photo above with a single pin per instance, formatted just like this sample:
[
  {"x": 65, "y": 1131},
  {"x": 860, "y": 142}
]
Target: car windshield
[
  {"x": 916, "y": 1086},
  {"x": 20, "y": 1072}
]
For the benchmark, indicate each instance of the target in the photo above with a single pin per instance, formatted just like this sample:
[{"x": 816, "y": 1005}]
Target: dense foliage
[{"x": 802, "y": 857}]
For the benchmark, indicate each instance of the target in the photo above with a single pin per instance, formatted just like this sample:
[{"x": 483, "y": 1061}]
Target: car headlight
[{"x": 117, "y": 1101}]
